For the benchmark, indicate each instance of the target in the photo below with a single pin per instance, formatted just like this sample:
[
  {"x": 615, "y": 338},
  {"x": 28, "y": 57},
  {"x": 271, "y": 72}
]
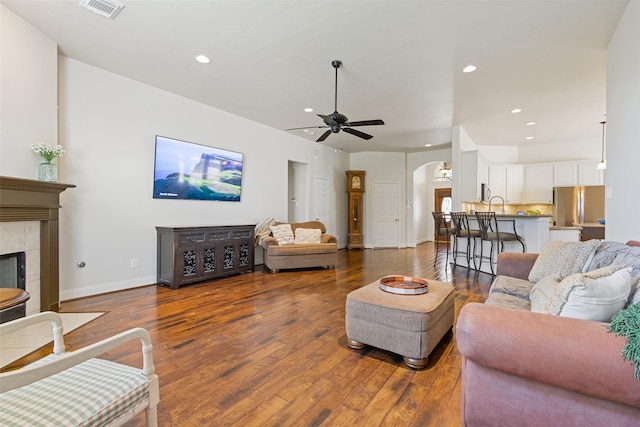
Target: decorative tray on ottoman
[{"x": 404, "y": 285}]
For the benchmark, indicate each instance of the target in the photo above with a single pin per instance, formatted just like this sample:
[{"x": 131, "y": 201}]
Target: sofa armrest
[
  {"x": 328, "y": 238},
  {"x": 573, "y": 354},
  {"x": 515, "y": 264},
  {"x": 269, "y": 241}
]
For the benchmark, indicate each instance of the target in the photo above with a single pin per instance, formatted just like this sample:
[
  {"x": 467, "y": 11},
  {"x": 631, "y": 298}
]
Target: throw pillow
[
  {"x": 542, "y": 290},
  {"x": 308, "y": 235},
  {"x": 596, "y": 295},
  {"x": 563, "y": 258},
  {"x": 283, "y": 234}
]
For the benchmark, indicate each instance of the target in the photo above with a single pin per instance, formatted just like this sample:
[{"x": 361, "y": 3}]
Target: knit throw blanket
[{"x": 627, "y": 323}]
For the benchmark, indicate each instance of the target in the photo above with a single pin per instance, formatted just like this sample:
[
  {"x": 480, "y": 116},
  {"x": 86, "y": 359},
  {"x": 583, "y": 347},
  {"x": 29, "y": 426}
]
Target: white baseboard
[{"x": 104, "y": 288}]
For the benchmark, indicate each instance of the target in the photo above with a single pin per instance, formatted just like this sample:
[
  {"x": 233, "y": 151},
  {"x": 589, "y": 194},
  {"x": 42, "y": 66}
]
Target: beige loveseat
[{"x": 301, "y": 255}]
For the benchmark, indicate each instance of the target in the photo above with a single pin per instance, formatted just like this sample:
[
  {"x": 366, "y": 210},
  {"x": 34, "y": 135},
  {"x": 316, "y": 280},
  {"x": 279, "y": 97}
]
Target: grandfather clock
[{"x": 355, "y": 190}]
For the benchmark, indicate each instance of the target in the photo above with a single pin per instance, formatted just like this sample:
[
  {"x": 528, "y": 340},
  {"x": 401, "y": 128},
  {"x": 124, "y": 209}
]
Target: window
[
  {"x": 442, "y": 172},
  {"x": 446, "y": 208}
]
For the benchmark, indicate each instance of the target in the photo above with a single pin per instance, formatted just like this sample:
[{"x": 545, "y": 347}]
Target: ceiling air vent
[{"x": 107, "y": 8}]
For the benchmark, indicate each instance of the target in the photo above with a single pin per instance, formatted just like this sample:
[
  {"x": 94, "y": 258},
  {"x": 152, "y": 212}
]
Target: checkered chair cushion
[{"x": 93, "y": 393}]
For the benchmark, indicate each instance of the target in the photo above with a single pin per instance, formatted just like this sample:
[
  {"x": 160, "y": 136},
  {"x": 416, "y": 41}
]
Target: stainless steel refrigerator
[{"x": 580, "y": 206}]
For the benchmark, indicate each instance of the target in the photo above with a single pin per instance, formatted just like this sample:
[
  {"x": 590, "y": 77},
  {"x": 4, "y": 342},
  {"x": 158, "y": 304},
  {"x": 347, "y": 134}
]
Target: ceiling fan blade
[
  {"x": 308, "y": 127},
  {"x": 365, "y": 123},
  {"x": 328, "y": 119},
  {"x": 357, "y": 133},
  {"x": 324, "y": 136},
  {"x": 336, "y": 121}
]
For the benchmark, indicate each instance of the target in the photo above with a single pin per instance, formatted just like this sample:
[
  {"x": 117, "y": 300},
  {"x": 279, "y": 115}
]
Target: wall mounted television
[{"x": 187, "y": 171}]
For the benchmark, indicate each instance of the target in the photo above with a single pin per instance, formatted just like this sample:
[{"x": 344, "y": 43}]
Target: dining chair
[
  {"x": 463, "y": 231},
  {"x": 491, "y": 232},
  {"x": 444, "y": 228}
]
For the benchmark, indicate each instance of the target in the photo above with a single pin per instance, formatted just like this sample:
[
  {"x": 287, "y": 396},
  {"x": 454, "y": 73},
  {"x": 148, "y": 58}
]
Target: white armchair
[{"x": 77, "y": 388}]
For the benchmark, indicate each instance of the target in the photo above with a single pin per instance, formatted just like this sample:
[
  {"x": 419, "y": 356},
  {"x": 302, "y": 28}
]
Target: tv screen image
[{"x": 187, "y": 171}]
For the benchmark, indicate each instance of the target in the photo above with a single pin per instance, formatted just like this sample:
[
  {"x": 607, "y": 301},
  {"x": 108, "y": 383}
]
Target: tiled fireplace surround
[{"x": 29, "y": 223}]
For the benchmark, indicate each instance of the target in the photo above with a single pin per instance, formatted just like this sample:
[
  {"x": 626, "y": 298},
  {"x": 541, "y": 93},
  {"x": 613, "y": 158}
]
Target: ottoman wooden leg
[
  {"x": 415, "y": 363},
  {"x": 357, "y": 345}
]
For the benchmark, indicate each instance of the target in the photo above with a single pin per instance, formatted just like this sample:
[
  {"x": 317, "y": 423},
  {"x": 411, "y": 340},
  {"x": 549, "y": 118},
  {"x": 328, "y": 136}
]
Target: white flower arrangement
[{"x": 46, "y": 152}]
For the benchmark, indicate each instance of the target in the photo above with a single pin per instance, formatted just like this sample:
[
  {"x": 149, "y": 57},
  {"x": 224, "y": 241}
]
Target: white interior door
[
  {"x": 298, "y": 207},
  {"x": 386, "y": 215},
  {"x": 321, "y": 200}
]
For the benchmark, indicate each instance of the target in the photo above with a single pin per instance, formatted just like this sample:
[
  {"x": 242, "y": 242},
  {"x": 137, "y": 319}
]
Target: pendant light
[{"x": 602, "y": 165}]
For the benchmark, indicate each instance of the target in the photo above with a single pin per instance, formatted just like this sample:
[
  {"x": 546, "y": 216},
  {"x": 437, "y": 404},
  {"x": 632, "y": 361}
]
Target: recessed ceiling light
[
  {"x": 516, "y": 110},
  {"x": 469, "y": 69},
  {"x": 308, "y": 110},
  {"x": 203, "y": 59},
  {"x": 530, "y": 123},
  {"x": 529, "y": 137},
  {"x": 427, "y": 145}
]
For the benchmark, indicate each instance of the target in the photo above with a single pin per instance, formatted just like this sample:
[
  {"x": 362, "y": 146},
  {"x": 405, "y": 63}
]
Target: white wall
[
  {"x": 499, "y": 154},
  {"x": 420, "y": 166},
  {"x": 298, "y": 195},
  {"x": 623, "y": 128},
  {"x": 108, "y": 124},
  {"x": 460, "y": 142},
  {"x": 383, "y": 168},
  {"x": 424, "y": 201},
  {"x": 421, "y": 188},
  {"x": 28, "y": 95},
  {"x": 561, "y": 150}
]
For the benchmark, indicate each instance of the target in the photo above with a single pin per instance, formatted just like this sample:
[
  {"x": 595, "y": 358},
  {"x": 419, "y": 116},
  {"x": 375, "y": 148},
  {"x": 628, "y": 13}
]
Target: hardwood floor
[{"x": 265, "y": 349}]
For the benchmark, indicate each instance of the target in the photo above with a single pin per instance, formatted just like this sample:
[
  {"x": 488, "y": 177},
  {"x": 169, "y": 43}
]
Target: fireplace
[
  {"x": 33, "y": 206},
  {"x": 12, "y": 275},
  {"x": 12, "y": 270}
]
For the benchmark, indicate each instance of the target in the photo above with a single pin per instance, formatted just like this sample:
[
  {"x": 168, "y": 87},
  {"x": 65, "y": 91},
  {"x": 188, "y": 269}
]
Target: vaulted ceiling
[{"x": 402, "y": 62}]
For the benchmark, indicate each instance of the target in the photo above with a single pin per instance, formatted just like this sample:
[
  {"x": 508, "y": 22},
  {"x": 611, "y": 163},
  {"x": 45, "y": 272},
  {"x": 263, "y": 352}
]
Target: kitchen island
[
  {"x": 565, "y": 233},
  {"x": 532, "y": 229},
  {"x": 591, "y": 230}
]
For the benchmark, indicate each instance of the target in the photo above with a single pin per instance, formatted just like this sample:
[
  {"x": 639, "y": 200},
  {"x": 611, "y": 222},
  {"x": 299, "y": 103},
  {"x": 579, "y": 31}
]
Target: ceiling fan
[{"x": 336, "y": 122}]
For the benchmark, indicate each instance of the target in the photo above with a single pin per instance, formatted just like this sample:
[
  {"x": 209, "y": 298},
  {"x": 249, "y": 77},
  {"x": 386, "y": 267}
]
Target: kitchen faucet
[{"x": 493, "y": 197}]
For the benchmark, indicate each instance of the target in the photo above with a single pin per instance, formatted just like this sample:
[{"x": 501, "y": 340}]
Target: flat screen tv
[{"x": 188, "y": 171}]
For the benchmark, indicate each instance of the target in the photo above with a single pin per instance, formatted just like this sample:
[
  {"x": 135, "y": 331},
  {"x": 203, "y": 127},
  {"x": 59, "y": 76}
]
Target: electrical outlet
[{"x": 134, "y": 263}]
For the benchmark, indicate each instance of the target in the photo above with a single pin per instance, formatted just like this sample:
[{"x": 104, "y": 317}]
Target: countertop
[
  {"x": 522, "y": 216},
  {"x": 564, "y": 227},
  {"x": 590, "y": 224}
]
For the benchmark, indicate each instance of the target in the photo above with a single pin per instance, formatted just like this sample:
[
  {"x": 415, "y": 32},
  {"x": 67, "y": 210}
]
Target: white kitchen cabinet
[
  {"x": 565, "y": 174},
  {"x": 506, "y": 181},
  {"x": 538, "y": 183},
  {"x": 515, "y": 183},
  {"x": 589, "y": 174},
  {"x": 565, "y": 234},
  {"x": 473, "y": 173},
  {"x": 497, "y": 181}
]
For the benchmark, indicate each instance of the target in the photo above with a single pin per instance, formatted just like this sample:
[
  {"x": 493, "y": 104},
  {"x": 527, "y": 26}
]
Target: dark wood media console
[{"x": 195, "y": 254}]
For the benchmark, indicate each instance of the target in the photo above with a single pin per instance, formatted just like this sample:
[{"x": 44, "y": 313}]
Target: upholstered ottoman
[{"x": 408, "y": 325}]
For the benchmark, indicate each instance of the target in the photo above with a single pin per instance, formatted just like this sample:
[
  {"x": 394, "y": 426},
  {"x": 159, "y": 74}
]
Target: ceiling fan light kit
[{"x": 336, "y": 122}]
